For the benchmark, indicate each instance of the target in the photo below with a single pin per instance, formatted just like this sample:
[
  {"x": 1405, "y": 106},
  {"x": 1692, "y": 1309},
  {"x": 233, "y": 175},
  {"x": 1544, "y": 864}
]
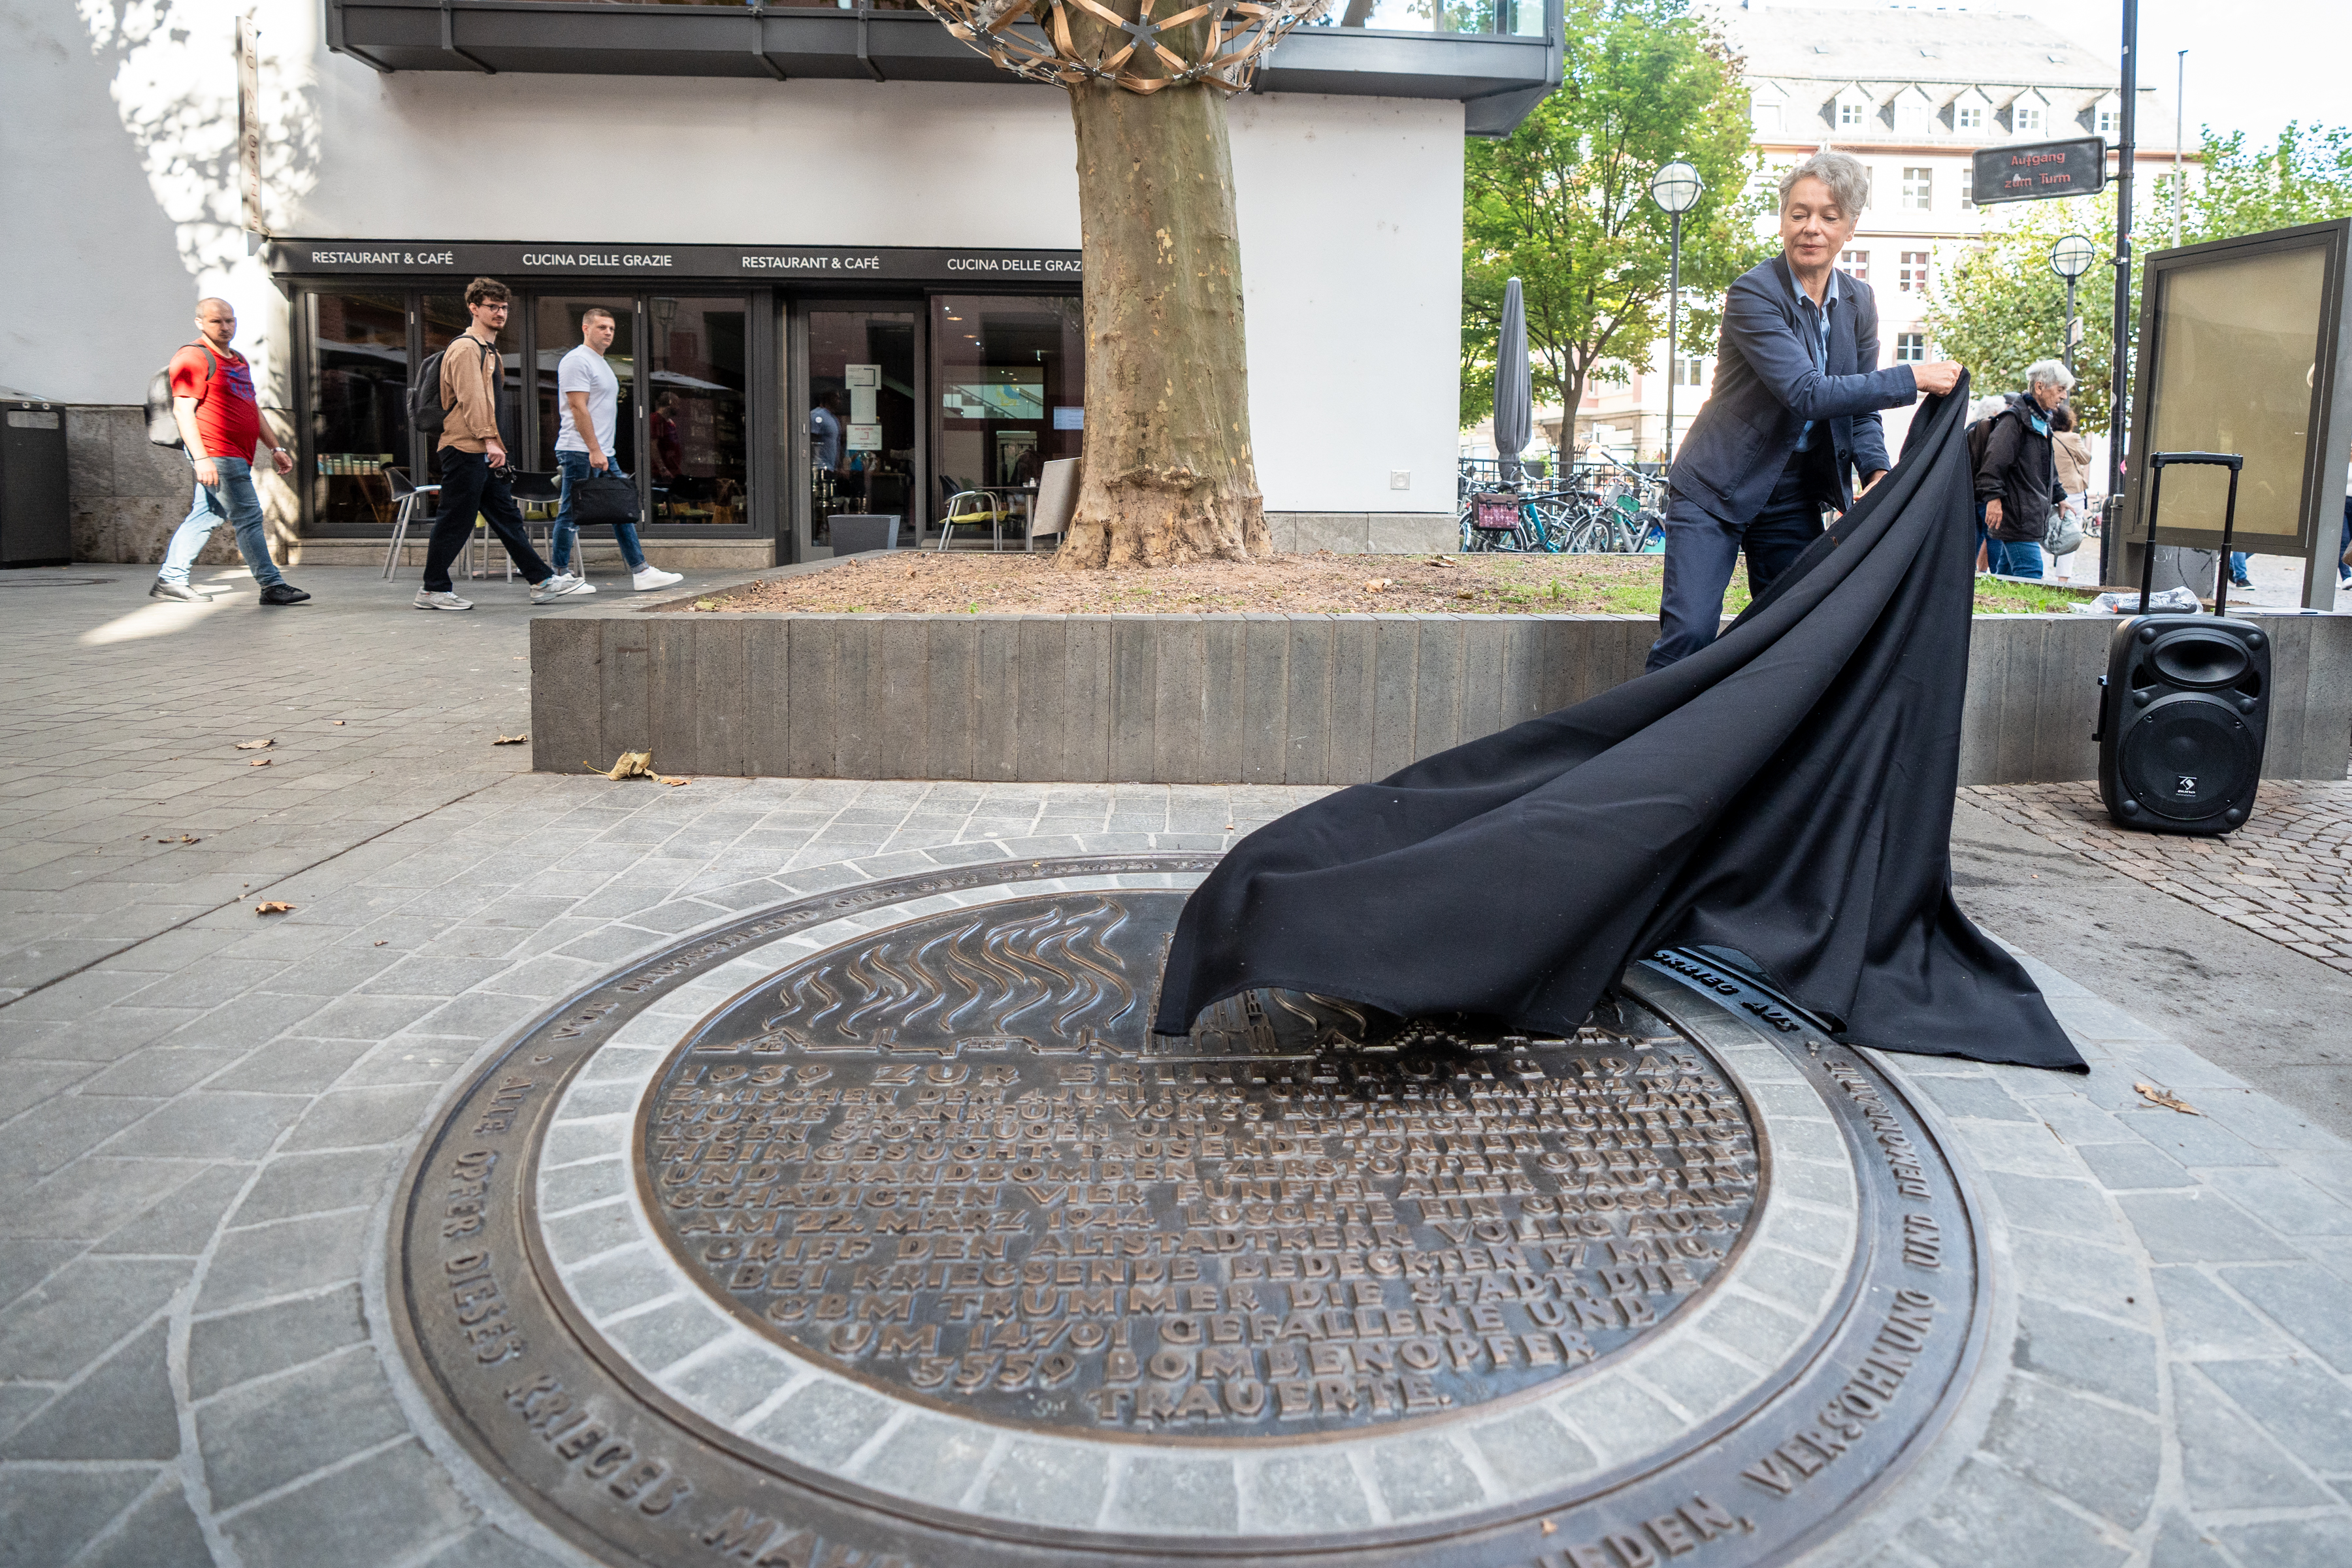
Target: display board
[{"x": 2242, "y": 350}]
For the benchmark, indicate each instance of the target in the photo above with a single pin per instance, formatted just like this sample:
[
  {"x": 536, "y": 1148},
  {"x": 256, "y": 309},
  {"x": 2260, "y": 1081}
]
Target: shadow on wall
[{"x": 160, "y": 75}]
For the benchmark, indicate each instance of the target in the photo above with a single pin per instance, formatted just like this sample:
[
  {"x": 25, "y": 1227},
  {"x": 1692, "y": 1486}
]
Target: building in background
[
  {"x": 789, "y": 209},
  {"x": 1913, "y": 94}
]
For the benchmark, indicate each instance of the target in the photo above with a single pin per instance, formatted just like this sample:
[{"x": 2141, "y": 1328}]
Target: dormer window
[
  {"x": 2026, "y": 117},
  {"x": 1968, "y": 117},
  {"x": 2109, "y": 122},
  {"x": 1851, "y": 115}
]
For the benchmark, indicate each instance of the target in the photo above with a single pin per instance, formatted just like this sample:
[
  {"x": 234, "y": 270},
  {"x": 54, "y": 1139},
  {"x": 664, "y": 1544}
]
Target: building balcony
[{"x": 1497, "y": 75}]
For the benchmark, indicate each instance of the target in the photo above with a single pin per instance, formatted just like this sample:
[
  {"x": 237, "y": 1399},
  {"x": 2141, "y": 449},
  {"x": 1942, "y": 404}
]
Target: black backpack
[
  {"x": 163, "y": 426},
  {"x": 427, "y": 414}
]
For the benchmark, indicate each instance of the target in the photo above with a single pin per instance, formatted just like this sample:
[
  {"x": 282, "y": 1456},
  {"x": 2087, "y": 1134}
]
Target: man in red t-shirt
[{"x": 220, "y": 425}]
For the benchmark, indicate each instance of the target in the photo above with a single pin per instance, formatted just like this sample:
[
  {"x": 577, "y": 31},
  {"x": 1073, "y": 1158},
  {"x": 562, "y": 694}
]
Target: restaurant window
[
  {"x": 1912, "y": 278},
  {"x": 359, "y": 423},
  {"x": 1855, "y": 264},
  {"x": 556, "y": 321},
  {"x": 445, "y": 318},
  {"x": 1011, "y": 381},
  {"x": 696, "y": 453}
]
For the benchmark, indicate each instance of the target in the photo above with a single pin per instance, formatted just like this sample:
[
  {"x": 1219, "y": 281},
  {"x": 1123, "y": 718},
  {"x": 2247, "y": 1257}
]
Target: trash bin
[
  {"x": 35, "y": 527},
  {"x": 855, "y": 532}
]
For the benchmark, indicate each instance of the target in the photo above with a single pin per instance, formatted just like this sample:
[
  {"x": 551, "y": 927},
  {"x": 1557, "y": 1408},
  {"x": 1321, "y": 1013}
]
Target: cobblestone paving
[
  {"x": 2286, "y": 875},
  {"x": 202, "y": 1117}
]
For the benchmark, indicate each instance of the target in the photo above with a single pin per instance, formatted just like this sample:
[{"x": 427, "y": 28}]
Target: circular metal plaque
[{"x": 877, "y": 1227}]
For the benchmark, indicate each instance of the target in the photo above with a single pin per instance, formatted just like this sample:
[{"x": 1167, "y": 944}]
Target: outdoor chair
[
  {"x": 406, "y": 498},
  {"x": 976, "y": 509},
  {"x": 535, "y": 496},
  {"x": 1056, "y": 499}
]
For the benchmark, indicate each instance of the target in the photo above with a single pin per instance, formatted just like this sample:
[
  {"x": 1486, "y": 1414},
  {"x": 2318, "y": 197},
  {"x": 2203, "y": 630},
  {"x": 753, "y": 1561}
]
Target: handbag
[
  {"x": 604, "y": 498},
  {"x": 2063, "y": 536}
]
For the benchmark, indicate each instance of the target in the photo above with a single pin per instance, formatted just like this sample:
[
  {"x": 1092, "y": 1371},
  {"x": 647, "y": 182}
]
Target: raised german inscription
[{"x": 947, "y": 1158}]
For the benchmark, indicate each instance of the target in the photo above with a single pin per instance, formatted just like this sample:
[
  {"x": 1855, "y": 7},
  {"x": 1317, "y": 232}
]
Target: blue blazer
[{"x": 1768, "y": 384}]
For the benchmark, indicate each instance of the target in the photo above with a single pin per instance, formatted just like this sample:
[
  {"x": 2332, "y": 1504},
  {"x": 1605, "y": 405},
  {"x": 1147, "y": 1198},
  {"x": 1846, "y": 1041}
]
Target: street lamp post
[
  {"x": 1676, "y": 189},
  {"x": 2070, "y": 259}
]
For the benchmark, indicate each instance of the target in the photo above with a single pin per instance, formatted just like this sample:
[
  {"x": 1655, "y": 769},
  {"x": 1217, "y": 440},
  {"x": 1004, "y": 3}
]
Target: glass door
[{"x": 863, "y": 439}]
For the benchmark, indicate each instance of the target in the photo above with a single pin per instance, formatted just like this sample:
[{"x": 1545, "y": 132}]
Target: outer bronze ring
[{"x": 631, "y": 1478}]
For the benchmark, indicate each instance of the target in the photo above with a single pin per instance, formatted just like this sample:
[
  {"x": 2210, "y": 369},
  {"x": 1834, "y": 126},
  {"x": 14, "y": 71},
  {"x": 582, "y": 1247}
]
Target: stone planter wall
[{"x": 1273, "y": 699}]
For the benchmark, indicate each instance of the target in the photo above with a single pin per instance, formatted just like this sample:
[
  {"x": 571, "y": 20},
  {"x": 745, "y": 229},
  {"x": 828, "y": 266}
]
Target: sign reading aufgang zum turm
[{"x": 2040, "y": 170}]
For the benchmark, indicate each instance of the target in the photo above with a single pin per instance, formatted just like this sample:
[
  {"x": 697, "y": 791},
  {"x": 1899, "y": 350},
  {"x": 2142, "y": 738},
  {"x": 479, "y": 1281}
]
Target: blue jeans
[
  {"x": 2014, "y": 557},
  {"x": 574, "y": 466},
  {"x": 2238, "y": 569},
  {"x": 231, "y": 500},
  {"x": 1702, "y": 552}
]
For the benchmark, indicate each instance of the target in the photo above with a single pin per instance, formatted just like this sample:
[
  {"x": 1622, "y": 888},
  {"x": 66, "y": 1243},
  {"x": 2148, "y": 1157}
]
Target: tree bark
[{"x": 1168, "y": 477}]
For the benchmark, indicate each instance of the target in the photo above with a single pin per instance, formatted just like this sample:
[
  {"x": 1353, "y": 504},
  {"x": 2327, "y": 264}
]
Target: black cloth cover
[{"x": 1786, "y": 793}]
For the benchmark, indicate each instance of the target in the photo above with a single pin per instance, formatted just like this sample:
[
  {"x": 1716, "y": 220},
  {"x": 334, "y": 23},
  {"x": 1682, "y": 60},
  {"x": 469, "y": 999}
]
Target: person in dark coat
[
  {"x": 2017, "y": 478},
  {"x": 1793, "y": 415}
]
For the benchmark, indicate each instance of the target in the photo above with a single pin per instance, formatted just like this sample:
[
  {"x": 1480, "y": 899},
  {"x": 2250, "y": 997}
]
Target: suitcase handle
[{"x": 2160, "y": 461}]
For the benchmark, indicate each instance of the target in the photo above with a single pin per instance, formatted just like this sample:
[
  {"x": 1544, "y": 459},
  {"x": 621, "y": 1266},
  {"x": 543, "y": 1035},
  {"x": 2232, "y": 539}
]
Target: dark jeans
[
  {"x": 1702, "y": 551},
  {"x": 574, "y": 466},
  {"x": 467, "y": 488}
]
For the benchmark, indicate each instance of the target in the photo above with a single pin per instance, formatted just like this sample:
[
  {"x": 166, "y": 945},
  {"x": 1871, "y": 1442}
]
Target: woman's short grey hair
[
  {"x": 1848, "y": 180},
  {"x": 2050, "y": 373}
]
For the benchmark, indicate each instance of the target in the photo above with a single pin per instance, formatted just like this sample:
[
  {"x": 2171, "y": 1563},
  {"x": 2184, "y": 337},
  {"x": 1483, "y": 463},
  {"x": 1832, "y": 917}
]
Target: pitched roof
[{"x": 1904, "y": 45}]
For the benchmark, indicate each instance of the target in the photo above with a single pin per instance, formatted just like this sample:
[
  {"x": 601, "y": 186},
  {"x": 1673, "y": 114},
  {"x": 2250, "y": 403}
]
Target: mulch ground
[{"x": 904, "y": 582}]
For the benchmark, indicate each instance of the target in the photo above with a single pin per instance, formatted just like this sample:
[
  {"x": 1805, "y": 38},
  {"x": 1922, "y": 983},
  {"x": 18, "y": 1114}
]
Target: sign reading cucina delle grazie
[
  {"x": 2041, "y": 170},
  {"x": 347, "y": 257}
]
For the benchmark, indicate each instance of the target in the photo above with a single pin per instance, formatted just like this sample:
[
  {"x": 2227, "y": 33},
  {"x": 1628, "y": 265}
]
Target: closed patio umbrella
[{"x": 1515, "y": 397}]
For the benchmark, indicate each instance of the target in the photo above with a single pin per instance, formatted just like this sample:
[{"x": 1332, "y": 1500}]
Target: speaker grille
[{"x": 2189, "y": 758}]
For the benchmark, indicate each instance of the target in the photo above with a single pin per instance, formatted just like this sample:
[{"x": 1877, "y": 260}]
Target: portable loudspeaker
[{"x": 2181, "y": 722}]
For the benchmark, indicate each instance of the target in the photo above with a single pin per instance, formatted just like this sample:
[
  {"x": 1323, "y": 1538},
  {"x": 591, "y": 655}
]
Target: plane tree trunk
[{"x": 1168, "y": 477}]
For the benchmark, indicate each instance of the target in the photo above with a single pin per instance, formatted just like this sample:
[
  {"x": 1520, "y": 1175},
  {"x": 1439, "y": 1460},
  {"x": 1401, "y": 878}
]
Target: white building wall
[{"x": 119, "y": 184}]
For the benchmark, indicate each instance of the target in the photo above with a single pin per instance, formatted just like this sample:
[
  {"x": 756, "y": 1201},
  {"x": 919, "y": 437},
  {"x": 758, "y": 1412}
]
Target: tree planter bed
[{"x": 1242, "y": 699}]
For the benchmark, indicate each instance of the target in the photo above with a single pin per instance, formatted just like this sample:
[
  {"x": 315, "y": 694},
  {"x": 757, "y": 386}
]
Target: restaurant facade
[{"x": 841, "y": 251}]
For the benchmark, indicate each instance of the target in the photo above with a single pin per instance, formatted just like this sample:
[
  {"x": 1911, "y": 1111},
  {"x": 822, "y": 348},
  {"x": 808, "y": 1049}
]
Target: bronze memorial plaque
[{"x": 877, "y": 1228}]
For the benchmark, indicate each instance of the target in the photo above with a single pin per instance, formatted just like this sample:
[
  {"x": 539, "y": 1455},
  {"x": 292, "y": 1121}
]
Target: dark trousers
[
  {"x": 1703, "y": 550},
  {"x": 467, "y": 487}
]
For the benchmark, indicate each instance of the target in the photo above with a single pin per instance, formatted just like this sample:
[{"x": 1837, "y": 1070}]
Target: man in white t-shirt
[{"x": 588, "y": 403}]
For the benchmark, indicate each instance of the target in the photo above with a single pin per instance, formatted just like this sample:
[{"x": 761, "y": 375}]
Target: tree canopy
[{"x": 1563, "y": 202}]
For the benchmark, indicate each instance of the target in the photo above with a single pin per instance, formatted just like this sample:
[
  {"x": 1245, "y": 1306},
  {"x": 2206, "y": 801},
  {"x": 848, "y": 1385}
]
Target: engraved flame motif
[{"x": 1052, "y": 973}]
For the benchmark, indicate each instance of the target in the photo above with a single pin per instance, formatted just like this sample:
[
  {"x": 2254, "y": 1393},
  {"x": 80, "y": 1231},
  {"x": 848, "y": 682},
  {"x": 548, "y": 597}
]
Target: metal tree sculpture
[{"x": 1169, "y": 476}]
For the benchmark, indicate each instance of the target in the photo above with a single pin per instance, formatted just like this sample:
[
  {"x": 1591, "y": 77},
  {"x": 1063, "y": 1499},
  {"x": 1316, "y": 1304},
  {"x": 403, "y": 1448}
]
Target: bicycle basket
[{"x": 1495, "y": 513}]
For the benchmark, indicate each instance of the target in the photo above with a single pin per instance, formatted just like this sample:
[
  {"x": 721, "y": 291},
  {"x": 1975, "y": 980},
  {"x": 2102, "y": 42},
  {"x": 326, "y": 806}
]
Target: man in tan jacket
[{"x": 474, "y": 460}]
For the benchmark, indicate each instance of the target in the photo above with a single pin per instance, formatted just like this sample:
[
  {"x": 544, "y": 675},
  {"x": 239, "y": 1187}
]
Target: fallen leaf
[
  {"x": 705, "y": 603},
  {"x": 672, "y": 780},
  {"x": 2155, "y": 1095},
  {"x": 1550, "y": 1527},
  {"x": 268, "y": 908},
  {"x": 511, "y": 740},
  {"x": 1440, "y": 561},
  {"x": 256, "y": 745},
  {"x": 628, "y": 765},
  {"x": 1376, "y": 585},
  {"x": 258, "y": 762},
  {"x": 381, "y": 944},
  {"x": 334, "y": 720}
]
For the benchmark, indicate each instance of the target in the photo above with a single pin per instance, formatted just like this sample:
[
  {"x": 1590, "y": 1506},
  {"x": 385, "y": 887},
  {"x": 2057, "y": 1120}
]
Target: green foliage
[
  {"x": 2003, "y": 308},
  {"x": 2306, "y": 178},
  {"x": 1563, "y": 202}
]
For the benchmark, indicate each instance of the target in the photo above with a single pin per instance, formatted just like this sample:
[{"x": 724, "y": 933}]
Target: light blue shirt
[{"x": 1821, "y": 315}]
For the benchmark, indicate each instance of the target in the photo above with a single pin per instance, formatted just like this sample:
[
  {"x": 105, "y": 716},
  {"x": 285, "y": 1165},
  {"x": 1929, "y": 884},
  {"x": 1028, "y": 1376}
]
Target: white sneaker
[
  {"x": 557, "y": 587},
  {"x": 428, "y": 600},
  {"x": 653, "y": 576}
]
